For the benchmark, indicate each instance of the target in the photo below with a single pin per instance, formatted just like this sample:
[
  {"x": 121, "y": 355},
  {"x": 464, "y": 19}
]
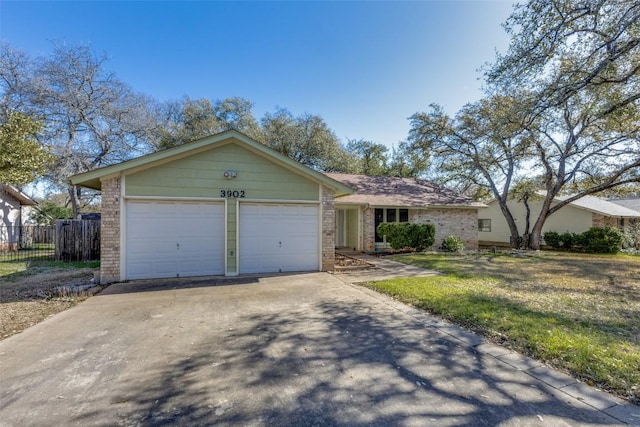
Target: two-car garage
[
  {"x": 222, "y": 205},
  {"x": 186, "y": 238}
]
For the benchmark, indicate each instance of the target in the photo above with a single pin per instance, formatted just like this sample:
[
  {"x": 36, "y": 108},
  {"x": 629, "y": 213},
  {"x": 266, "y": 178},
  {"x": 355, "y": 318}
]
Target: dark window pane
[
  {"x": 391, "y": 215},
  {"x": 404, "y": 215}
]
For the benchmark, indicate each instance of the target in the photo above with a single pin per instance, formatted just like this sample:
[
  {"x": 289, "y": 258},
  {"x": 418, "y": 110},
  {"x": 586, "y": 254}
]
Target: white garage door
[
  {"x": 278, "y": 238},
  {"x": 174, "y": 239}
]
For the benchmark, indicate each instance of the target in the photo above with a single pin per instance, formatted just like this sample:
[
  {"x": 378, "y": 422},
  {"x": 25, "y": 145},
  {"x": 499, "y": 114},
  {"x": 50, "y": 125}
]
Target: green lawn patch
[
  {"x": 9, "y": 269},
  {"x": 579, "y": 313}
]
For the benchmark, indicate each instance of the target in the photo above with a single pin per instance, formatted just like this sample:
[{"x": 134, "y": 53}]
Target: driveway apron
[{"x": 289, "y": 350}]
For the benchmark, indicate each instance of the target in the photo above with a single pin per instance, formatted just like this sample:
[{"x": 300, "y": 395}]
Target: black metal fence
[
  {"x": 66, "y": 241},
  {"x": 27, "y": 243}
]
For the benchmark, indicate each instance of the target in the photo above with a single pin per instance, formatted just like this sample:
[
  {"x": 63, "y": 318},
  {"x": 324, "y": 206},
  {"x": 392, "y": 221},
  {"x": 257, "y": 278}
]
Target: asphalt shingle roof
[
  {"x": 399, "y": 192},
  {"x": 633, "y": 204},
  {"x": 604, "y": 207}
]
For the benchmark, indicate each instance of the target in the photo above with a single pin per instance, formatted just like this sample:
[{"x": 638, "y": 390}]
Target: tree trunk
[
  {"x": 74, "y": 198},
  {"x": 535, "y": 239},
  {"x": 516, "y": 240}
]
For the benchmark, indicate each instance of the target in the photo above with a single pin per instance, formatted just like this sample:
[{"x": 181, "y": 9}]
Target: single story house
[
  {"x": 14, "y": 210},
  {"x": 228, "y": 205},
  {"x": 378, "y": 199},
  {"x": 632, "y": 203},
  {"x": 576, "y": 217}
]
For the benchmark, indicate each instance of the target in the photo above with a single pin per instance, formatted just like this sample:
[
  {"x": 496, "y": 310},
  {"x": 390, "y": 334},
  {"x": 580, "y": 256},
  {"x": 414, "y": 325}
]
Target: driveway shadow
[{"x": 335, "y": 362}]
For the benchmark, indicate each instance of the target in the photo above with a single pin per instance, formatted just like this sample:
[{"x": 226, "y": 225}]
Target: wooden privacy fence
[{"x": 77, "y": 240}]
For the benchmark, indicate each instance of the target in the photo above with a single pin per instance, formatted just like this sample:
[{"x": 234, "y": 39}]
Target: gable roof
[
  {"x": 633, "y": 204},
  {"x": 18, "y": 195},
  {"x": 400, "y": 192},
  {"x": 602, "y": 207},
  {"x": 92, "y": 179}
]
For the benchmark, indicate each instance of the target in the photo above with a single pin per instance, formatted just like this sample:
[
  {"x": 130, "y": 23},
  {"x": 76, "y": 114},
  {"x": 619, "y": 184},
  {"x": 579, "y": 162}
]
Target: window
[
  {"x": 389, "y": 215},
  {"x": 484, "y": 225}
]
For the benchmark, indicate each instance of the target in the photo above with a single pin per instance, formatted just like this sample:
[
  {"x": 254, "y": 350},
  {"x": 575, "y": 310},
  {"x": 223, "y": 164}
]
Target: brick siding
[
  {"x": 369, "y": 230},
  {"x": 602, "y": 221},
  {"x": 328, "y": 229},
  {"x": 110, "y": 231},
  {"x": 462, "y": 223}
]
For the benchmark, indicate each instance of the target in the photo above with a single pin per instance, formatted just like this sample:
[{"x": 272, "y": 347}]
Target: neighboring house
[
  {"x": 221, "y": 205},
  {"x": 632, "y": 203},
  {"x": 378, "y": 199},
  {"x": 576, "y": 217},
  {"x": 14, "y": 209}
]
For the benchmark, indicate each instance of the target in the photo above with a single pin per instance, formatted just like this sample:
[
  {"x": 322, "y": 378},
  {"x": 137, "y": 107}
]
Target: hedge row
[{"x": 607, "y": 240}]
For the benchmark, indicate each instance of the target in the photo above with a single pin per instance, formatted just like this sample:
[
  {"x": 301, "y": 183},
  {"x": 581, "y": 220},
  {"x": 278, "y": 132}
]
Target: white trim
[
  {"x": 123, "y": 230},
  {"x": 175, "y": 199},
  {"x": 225, "y": 237},
  {"x": 280, "y": 201},
  {"x": 320, "y": 233},
  {"x": 237, "y": 272}
]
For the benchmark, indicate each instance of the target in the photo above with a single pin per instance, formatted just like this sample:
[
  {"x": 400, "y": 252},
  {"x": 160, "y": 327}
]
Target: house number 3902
[{"x": 237, "y": 194}]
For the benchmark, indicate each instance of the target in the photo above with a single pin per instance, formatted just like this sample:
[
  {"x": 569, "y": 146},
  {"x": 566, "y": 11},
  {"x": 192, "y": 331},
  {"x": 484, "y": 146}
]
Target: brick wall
[
  {"x": 368, "y": 230},
  {"x": 462, "y": 223},
  {"x": 601, "y": 221},
  {"x": 110, "y": 231},
  {"x": 328, "y": 229}
]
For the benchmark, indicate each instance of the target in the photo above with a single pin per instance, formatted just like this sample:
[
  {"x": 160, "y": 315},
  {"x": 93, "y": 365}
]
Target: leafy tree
[
  {"x": 483, "y": 146},
  {"x": 22, "y": 158},
  {"x": 190, "y": 119},
  {"x": 48, "y": 212},
  {"x": 579, "y": 65},
  {"x": 306, "y": 139},
  {"x": 371, "y": 157},
  {"x": 406, "y": 162},
  {"x": 562, "y": 104}
]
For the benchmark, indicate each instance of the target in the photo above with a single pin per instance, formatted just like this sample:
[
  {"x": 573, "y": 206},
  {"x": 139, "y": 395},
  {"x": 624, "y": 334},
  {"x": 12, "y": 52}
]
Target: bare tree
[{"x": 90, "y": 118}]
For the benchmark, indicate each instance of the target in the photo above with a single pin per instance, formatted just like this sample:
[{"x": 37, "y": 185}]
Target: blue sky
[{"x": 365, "y": 67}]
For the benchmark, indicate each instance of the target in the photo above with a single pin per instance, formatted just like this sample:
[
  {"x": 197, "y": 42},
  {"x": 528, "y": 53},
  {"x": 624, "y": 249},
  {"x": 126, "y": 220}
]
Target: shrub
[
  {"x": 605, "y": 240},
  {"x": 406, "y": 235},
  {"x": 552, "y": 238},
  {"x": 568, "y": 240},
  {"x": 452, "y": 244}
]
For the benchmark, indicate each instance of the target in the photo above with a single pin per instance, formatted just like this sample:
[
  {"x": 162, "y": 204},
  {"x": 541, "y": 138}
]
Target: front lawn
[
  {"x": 29, "y": 291},
  {"x": 576, "y": 312}
]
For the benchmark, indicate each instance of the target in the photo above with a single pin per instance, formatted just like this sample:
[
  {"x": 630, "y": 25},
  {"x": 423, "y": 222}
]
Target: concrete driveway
[{"x": 298, "y": 350}]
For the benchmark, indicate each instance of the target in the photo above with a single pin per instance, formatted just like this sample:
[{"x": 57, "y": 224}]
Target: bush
[
  {"x": 552, "y": 238},
  {"x": 406, "y": 235},
  {"x": 568, "y": 240},
  {"x": 605, "y": 240},
  {"x": 596, "y": 240},
  {"x": 452, "y": 244},
  {"x": 565, "y": 240}
]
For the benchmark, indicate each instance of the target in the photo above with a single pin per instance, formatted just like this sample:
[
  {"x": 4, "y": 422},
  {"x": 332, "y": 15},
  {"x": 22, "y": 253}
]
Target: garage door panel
[
  {"x": 278, "y": 238},
  {"x": 167, "y": 239}
]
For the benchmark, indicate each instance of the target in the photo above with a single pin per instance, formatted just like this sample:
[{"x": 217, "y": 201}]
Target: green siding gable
[{"x": 202, "y": 175}]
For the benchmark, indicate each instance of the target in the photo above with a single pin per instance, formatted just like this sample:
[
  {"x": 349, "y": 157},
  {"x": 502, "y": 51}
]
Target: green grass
[
  {"x": 10, "y": 269},
  {"x": 577, "y": 312}
]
